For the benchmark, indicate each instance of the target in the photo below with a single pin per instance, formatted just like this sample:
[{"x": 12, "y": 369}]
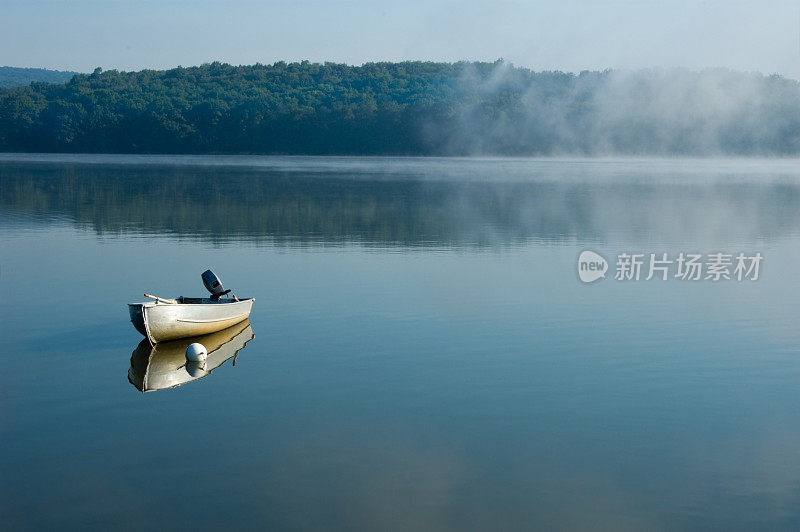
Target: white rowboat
[{"x": 163, "y": 320}]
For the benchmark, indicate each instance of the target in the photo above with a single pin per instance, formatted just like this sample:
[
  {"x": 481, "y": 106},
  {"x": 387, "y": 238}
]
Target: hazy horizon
[
  {"x": 568, "y": 36},
  {"x": 498, "y": 60}
]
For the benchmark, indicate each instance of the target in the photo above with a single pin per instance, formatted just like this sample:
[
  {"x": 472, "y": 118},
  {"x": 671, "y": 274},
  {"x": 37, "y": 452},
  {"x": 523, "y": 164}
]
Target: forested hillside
[
  {"x": 14, "y": 77},
  {"x": 405, "y": 108}
]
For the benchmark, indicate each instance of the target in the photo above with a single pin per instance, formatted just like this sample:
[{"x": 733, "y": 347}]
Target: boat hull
[{"x": 160, "y": 322}]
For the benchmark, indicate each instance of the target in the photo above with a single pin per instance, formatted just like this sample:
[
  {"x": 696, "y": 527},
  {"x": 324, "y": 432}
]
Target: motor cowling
[{"x": 213, "y": 284}]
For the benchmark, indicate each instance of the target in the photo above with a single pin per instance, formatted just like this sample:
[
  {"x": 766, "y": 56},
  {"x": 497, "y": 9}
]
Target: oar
[{"x": 162, "y": 300}]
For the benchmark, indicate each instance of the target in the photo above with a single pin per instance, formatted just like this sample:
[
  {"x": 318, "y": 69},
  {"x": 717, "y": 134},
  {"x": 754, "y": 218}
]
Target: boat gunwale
[{"x": 206, "y": 301}]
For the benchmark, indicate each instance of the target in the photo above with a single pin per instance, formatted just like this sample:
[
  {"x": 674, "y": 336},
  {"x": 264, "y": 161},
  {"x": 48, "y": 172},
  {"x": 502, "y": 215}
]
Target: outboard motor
[{"x": 213, "y": 285}]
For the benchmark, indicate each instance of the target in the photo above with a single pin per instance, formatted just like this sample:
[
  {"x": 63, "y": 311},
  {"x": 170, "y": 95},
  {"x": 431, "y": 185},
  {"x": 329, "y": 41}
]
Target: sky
[{"x": 567, "y": 35}]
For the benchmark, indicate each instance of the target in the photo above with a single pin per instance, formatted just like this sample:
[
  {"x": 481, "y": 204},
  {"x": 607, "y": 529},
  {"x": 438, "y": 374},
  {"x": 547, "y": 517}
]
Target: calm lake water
[{"x": 424, "y": 356}]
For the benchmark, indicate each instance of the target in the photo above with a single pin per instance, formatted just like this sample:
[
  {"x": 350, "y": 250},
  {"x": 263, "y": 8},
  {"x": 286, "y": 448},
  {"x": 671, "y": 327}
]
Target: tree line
[{"x": 407, "y": 108}]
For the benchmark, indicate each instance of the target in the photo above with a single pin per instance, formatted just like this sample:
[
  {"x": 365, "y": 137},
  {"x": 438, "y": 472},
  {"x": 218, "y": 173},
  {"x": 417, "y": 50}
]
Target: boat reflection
[{"x": 164, "y": 364}]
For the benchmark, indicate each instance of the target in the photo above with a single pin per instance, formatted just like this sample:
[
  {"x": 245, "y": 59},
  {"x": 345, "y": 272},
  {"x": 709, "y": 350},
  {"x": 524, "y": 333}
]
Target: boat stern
[{"x": 136, "y": 310}]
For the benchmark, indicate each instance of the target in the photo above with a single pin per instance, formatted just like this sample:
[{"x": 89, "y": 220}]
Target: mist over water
[
  {"x": 409, "y": 202},
  {"x": 503, "y": 110}
]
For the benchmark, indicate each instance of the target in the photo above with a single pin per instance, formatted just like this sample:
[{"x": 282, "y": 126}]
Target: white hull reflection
[{"x": 164, "y": 365}]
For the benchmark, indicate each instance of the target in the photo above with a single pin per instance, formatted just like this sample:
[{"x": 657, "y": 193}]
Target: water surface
[{"x": 425, "y": 356}]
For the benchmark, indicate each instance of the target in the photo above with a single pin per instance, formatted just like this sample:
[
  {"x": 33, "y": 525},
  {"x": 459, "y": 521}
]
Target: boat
[
  {"x": 164, "y": 365},
  {"x": 165, "y": 319}
]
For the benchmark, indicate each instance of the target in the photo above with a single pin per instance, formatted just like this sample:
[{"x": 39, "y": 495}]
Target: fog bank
[{"x": 504, "y": 110}]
